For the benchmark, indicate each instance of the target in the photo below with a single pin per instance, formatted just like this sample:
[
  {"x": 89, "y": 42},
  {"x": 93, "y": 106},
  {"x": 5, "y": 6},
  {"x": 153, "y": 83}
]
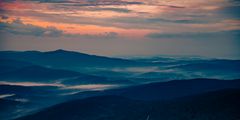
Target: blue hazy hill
[
  {"x": 64, "y": 59},
  {"x": 37, "y": 73}
]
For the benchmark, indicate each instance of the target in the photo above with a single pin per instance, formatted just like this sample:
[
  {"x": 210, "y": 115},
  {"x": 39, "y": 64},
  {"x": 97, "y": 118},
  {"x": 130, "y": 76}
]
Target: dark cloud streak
[
  {"x": 89, "y": 2},
  {"x": 195, "y": 35},
  {"x": 120, "y": 10},
  {"x": 180, "y": 21}
]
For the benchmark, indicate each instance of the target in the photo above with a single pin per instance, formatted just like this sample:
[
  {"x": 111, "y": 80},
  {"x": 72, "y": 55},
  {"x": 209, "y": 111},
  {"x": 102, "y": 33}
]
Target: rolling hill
[
  {"x": 65, "y": 59},
  {"x": 166, "y": 90},
  {"x": 217, "y": 105}
]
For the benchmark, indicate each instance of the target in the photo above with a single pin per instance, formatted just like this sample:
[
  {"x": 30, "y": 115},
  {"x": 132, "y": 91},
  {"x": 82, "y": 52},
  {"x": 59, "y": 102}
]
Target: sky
[{"x": 209, "y": 28}]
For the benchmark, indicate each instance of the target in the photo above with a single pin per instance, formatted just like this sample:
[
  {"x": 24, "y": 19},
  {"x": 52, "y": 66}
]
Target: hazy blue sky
[{"x": 123, "y": 27}]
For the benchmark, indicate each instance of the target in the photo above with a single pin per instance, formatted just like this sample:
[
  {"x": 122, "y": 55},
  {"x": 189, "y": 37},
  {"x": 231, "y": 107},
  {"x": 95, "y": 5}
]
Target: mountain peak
[{"x": 62, "y": 51}]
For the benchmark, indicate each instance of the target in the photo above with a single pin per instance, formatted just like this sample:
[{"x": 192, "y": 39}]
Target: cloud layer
[
  {"x": 17, "y": 27},
  {"x": 156, "y": 25}
]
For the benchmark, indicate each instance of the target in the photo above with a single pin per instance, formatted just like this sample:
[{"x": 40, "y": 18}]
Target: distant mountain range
[
  {"x": 165, "y": 68},
  {"x": 25, "y": 71},
  {"x": 209, "y": 65},
  {"x": 143, "y": 89},
  {"x": 65, "y": 59},
  {"x": 37, "y": 74}
]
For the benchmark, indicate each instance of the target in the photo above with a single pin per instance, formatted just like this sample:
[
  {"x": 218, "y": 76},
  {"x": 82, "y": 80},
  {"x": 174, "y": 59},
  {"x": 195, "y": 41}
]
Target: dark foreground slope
[
  {"x": 46, "y": 96},
  {"x": 178, "y": 88},
  {"x": 218, "y": 105},
  {"x": 6, "y": 107},
  {"x": 166, "y": 90},
  {"x": 95, "y": 108}
]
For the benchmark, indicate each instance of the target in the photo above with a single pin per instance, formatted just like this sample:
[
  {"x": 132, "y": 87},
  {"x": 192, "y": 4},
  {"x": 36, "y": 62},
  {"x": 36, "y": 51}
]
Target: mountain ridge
[{"x": 65, "y": 59}]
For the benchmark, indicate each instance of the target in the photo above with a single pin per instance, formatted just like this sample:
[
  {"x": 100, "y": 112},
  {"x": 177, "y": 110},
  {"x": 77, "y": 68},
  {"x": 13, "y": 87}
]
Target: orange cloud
[{"x": 83, "y": 29}]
